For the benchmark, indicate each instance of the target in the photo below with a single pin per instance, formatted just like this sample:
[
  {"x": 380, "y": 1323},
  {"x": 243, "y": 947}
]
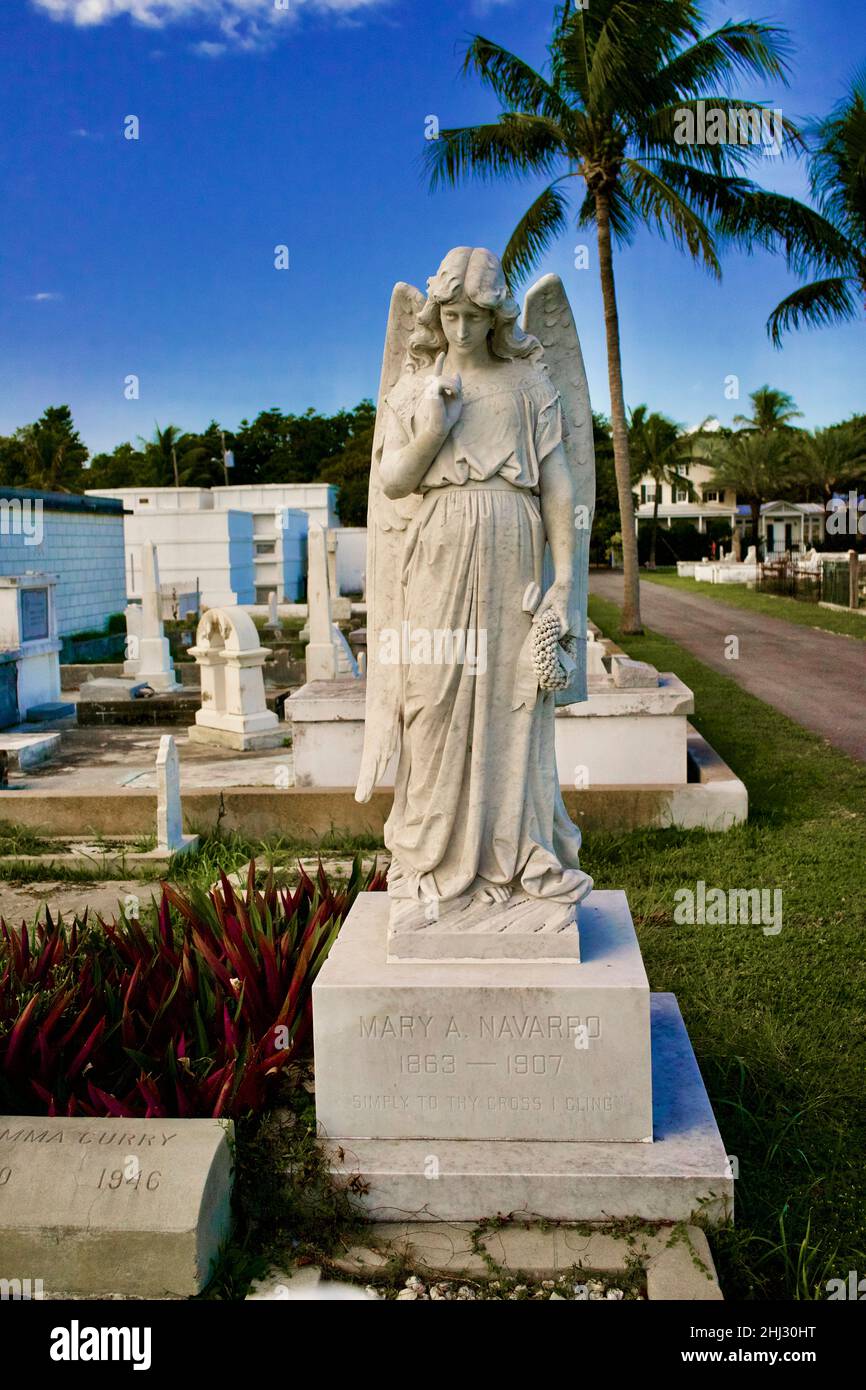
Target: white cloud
[
  {"x": 42, "y": 296},
  {"x": 244, "y": 24}
]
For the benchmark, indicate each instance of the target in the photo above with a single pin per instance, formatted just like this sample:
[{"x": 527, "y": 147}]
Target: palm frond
[
  {"x": 514, "y": 145},
  {"x": 620, "y": 56},
  {"x": 736, "y": 49},
  {"x": 539, "y": 226},
  {"x": 516, "y": 84},
  {"x": 748, "y": 216},
  {"x": 570, "y": 56},
  {"x": 814, "y": 306},
  {"x": 658, "y": 202},
  {"x": 837, "y": 168}
]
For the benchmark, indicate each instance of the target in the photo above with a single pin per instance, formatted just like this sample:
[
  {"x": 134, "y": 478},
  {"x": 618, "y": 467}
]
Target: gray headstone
[{"x": 96, "y": 1207}]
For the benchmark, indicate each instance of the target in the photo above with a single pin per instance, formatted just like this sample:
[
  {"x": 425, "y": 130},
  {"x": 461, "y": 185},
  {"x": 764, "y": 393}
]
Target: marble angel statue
[{"x": 482, "y": 491}]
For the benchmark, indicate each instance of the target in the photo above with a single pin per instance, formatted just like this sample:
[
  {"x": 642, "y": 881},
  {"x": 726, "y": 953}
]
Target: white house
[
  {"x": 792, "y": 526},
  {"x": 708, "y": 502}
]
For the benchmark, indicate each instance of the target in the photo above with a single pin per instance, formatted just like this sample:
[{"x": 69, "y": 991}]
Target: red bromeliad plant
[{"x": 196, "y": 1014}]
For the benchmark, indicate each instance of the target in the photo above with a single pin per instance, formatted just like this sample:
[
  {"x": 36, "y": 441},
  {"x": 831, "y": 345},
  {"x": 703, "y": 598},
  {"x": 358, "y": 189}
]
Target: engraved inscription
[
  {"x": 515, "y": 1027},
  {"x": 122, "y": 1138},
  {"x": 111, "y": 1181}
]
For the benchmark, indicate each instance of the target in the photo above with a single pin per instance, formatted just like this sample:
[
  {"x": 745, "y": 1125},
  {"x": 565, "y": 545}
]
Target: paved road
[{"x": 815, "y": 678}]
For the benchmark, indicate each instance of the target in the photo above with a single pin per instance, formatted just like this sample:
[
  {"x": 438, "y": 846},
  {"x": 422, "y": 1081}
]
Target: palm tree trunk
[{"x": 630, "y": 622}]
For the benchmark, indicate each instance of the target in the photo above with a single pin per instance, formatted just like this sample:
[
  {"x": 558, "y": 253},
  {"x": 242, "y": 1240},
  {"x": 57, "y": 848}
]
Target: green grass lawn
[
  {"x": 774, "y": 606},
  {"x": 778, "y": 1022}
]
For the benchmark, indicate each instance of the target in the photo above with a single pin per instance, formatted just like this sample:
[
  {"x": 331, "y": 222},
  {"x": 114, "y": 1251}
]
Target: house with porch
[{"x": 791, "y": 526}]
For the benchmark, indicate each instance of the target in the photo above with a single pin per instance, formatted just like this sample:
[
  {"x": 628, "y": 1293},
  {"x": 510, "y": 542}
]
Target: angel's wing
[
  {"x": 386, "y": 522},
  {"x": 547, "y": 315}
]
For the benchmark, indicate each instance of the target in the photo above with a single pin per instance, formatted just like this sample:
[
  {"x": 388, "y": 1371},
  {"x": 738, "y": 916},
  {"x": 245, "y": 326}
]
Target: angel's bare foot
[{"x": 492, "y": 893}]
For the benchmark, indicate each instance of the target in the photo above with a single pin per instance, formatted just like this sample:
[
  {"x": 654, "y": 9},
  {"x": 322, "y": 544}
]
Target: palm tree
[
  {"x": 609, "y": 113},
  {"x": 756, "y": 464},
  {"x": 771, "y": 410},
  {"x": 657, "y": 447},
  {"x": 53, "y": 451},
  {"x": 837, "y": 176},
  {"x": 825, "y": 460},
  {"x": 175, "y": 458}
]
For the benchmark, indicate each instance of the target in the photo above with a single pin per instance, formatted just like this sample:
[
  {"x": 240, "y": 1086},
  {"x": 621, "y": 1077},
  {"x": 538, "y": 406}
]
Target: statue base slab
[
  {"x": 521, "y": 928},
  {"x": 683, "y": 1172},
  {"x": 487, "y": 1050}
]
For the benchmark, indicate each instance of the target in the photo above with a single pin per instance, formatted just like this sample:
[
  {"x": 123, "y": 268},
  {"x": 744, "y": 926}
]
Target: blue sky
[{"x": 304, "y": 126}]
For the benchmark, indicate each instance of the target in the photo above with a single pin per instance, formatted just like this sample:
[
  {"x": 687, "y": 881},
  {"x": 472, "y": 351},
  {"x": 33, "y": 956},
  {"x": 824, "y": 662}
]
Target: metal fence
[
  {"x": 827, "y": 582},
  {"x": 792, "y": 578}
]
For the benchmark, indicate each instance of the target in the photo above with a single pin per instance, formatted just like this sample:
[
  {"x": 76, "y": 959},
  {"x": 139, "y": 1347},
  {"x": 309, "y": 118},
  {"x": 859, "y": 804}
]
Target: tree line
[
  {"x": 766, "y": 456},
  {"x": 275, "y": 447}
]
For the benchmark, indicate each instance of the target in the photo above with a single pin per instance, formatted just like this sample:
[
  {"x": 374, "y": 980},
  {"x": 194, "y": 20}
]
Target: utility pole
[{"x": 174, "y": 461}]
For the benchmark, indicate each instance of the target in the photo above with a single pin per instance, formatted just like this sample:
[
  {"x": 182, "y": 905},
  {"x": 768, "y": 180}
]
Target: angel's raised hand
[{"x": 442, "y": 403}]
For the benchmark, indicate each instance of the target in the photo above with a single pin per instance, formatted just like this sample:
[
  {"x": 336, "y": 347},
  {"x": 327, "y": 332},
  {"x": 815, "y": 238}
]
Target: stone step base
[
  {"x": 685, "y": 1171},
  {"x": 676, "y": 1261}
]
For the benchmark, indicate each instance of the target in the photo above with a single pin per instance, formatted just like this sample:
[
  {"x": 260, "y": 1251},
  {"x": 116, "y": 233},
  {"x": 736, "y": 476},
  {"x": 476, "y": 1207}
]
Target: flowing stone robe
[{"x": 477, "y": 798}]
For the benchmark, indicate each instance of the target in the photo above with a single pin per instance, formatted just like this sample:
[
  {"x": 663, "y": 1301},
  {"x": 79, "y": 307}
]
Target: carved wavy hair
[{"x": 475, "y": 274}]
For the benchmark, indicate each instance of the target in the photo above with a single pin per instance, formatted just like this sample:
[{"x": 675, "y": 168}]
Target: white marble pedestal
[{"x": 458, "y": 1090}]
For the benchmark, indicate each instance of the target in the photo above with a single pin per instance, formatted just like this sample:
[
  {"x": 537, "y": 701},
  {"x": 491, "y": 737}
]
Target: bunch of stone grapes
[{"x": 549, "y": 670}]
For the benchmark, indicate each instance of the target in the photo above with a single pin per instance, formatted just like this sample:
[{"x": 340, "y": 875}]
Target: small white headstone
[
  {"x": 154, "y": 656},
  {"x": 273, "y": 613},
  {"x": 328, "y": 654},
  {"x": 169, "y": 814}
]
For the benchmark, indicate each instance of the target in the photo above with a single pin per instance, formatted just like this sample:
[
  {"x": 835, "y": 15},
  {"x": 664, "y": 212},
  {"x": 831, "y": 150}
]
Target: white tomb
[
  {"x": 234, "y": 712},
  {"x": 28, "y": 631},
  {"x": 618, "y": 737}
]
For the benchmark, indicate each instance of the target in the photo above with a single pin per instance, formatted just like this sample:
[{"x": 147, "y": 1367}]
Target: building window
[
  {"x": 682, "y": 494},
  {"x": 266, "y": 547},
  {"x": 713, "y": 495},
  {"x": 648, "y": 493}
]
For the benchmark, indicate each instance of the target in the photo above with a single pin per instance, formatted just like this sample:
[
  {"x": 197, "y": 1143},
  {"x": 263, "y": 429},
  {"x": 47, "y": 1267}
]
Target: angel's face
[{"x": 466, "y": 326}]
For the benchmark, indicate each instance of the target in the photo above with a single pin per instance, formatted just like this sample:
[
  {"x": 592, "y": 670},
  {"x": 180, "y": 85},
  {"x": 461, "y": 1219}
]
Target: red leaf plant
[{"x": 194, "y": 1011}]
